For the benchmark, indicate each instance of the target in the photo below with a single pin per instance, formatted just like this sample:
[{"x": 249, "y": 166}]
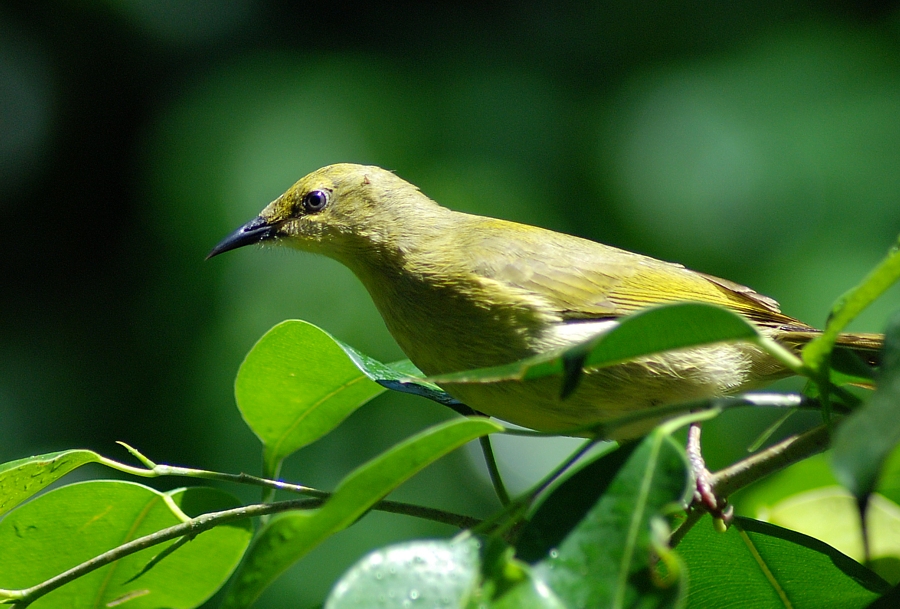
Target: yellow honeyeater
[{"x": 460, "y": 292}]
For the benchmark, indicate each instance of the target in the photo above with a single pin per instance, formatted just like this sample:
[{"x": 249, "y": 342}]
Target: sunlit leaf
[
  {"x": 830, "y": 514},
  {"x": 668, "y": 327},
  {"x": 74, "y": 523},
  {"x": 288, "y": 537},
  {"x": 22, "y": 478},
  {"x": 808, "y": 474},
  {"x": 296, "y": 385},
  {"x": 755, "y": 564},
  {"x": 417, "y": 573}
]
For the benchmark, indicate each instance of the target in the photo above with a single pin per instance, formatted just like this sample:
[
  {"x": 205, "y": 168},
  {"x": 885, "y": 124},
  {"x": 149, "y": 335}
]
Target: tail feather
[
  {"x": 861, "y": 342},
  {"x": 867, "y": 346}
]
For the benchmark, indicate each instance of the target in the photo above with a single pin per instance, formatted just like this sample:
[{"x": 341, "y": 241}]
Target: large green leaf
[
  {"x": 288, "y": 537},
  {"x": 607, "y": 560},
  {"x": 830, "y": 514},
  {"x": 22, "y": 478},
  {"x": 417, "y": 573},
  {"x": 755, "y": 564},
  {"x": 866, "y": 438},
  {"x": 649, "y": 331},
  {"x": 296, "y": 385},
  {"x": 74, "y": 523}
]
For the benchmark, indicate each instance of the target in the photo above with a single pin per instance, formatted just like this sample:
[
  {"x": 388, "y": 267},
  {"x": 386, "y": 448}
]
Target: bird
[{"x": 460, "y": 292}]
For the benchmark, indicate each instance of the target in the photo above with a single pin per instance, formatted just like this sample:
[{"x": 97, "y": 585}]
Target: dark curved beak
[{"x": 254, "y": 231}]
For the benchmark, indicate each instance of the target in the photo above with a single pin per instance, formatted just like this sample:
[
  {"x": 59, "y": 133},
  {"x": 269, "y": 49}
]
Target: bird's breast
[{"x": 453, "y": 323}]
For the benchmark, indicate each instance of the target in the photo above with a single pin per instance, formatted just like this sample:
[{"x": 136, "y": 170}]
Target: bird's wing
[{"x": 584, "y": 280}]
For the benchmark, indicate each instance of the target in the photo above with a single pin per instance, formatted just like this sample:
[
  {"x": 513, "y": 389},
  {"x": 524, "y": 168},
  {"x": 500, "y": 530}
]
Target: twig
[{"x": 156, "y": 470}]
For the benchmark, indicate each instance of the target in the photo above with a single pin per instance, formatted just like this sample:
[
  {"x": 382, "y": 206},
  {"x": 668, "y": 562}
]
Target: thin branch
[
  {"x": 156, "y": 470},
  {"x": 457, "y": 520},
  {"x": 396, "y": 507}
]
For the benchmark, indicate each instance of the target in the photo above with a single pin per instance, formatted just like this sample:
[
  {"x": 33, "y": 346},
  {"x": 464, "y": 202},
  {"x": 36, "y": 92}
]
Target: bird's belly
[{"x": 608, "y": 393}]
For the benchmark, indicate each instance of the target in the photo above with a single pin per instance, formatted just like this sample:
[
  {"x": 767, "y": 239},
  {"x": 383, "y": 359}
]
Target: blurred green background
[{"x": 756, "y": 141}]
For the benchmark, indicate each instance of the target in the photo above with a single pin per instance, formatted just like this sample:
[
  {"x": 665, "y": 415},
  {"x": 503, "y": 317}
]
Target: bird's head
[{"x": 341, "y": 211}]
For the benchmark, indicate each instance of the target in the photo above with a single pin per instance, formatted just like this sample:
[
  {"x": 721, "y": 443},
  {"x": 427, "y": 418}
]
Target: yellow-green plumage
[{"x": 460, "y": 292}]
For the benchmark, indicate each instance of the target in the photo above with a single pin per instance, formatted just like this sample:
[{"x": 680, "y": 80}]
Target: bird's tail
[
  {"x": 865, "y": 346},
  {"x": 862, "y": 343}
]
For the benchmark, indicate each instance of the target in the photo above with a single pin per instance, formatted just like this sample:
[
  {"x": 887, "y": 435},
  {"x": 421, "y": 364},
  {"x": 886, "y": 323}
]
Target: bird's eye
[{"x": 316, "y": 200}]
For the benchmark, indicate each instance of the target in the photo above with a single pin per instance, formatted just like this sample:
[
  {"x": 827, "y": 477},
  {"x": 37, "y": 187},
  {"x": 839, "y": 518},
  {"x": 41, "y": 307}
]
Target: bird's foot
[{"x": 705, "y": 496}]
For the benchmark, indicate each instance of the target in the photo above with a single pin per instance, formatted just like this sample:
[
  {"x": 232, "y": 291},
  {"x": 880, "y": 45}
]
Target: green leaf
[
  {"x": 288, "y": 537},
  {"x": 296, "y": 385},
  {"x": 851, "y": 304},
  {"x": 607, "y": 560},
  {"x": 848, "y": 367},
  {"x": 21, "y": 479},
  {"x": 755, "y": 564},
  {"x": 891, "y": 600},
  {"x": 531, "y": 594},
  {"x": 649, "y": 331},
  {"x": 417, "y": 573},
  {"x": 808, "y": 474},
  {"x": 74, "y": 523},
  {"x": 889, "y": 479},
  {"x": 866, "y": 438},
  {"x": 566, "y": 504},
  {"x": 402, "y": 376},
  {"x": 669, "y": 327},
  {"x": 830, "y": 514}
]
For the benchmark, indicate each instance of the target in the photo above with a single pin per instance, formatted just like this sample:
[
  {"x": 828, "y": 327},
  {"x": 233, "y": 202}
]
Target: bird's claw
[{"x": 705, "y": 496}]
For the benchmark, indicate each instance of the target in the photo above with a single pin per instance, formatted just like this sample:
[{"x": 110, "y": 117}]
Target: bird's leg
[{"x": 704, "y": 495}]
